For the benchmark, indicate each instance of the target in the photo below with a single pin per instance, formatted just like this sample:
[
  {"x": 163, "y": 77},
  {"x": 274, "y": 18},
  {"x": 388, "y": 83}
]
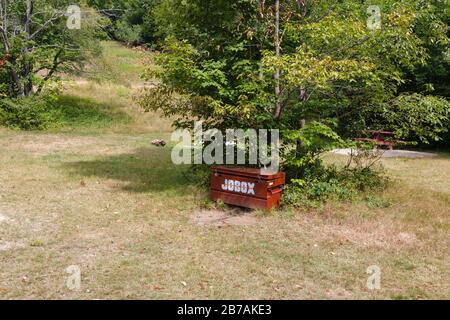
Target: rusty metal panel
[
  {"x": 249, "y": 172},
  {"x": 247, "y": 187}
]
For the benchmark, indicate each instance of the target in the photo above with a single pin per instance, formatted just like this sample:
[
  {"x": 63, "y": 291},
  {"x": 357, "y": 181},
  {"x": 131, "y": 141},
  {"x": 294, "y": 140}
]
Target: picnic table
[{"x": 380, "y": 138}]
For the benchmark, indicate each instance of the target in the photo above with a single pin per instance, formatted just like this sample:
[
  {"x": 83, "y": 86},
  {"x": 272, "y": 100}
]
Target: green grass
[
  {"x": 103, "y": 98},
  {"x": 74, "y": 112},
  {"x": 117, "y": 64}
]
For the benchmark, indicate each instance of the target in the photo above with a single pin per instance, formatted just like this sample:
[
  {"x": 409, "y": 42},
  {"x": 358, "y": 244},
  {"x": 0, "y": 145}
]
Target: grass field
[{"x": 102, "y": 198}]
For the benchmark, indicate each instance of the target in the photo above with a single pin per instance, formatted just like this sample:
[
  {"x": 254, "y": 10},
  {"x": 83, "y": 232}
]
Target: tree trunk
[
  {"x": 302, "y": 97},
  {"x": 278, "y": 54},
  {"x": 302, "y": 125},
  {"x": 27, "y": 69},
  {"x": 14, "y": 85},
  {"x": 15, "y": 88},
  {"x": 51, "y": 71}
]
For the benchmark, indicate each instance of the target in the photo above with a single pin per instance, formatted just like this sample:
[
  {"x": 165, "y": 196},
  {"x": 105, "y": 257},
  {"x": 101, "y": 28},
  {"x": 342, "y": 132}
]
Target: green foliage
[
  {"x": 26, "y": 113},
  {"x": 432, "y": 28},
  {"x": 50, "y": 111},
  {"x": 219, "y": 60},
  {"x": 210, "y": 65},
  {"x": 302, "y": 149},
  {"x": 37, "y": 44},
  {"x": 417, "y": 118},
  {"x": 223, "y": 93},
  {"x": 320, "y": 183},
  {"x": 130, "y": 34},
  {"x": 345, "y": 67},
  {"x": 131, "y": 21}
]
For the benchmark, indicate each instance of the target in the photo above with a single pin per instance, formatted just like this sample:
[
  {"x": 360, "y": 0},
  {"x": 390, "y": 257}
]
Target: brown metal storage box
[{"x": 247, "y": 187}]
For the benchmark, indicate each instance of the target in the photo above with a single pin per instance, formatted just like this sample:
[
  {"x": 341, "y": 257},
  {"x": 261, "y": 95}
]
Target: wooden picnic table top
[
  {"x": 381, "y": 138},
  {"x": 386, "y": 133}
]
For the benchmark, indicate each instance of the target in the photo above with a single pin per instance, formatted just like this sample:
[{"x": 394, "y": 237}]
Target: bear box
[{"x": 247, "y": 187}]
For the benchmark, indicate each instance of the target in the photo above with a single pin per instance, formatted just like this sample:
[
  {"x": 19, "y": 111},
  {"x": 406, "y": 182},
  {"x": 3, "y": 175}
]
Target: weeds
[{"x": 363, "y": 173}]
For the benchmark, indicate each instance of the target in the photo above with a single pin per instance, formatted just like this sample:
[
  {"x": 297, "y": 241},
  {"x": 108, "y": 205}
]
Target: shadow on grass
[
  {"x": 81, "y": 112},
  {"x": 145, "y": 170}
]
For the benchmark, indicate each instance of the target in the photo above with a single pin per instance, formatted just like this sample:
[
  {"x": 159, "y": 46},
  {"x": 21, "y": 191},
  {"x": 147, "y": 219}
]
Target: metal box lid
[{"x": 261, "y": 174}]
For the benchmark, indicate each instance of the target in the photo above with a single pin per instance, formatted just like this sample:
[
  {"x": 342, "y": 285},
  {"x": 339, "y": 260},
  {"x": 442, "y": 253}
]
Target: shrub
[
  {"x": 55, "y": 111},
  {"x": 417, "y": 118},
  {"x": 129, "y": 34},
  {"x": 26, "y": 113},
  {"x": 320, "y": 183},
  {"x": 332, "y": 183}
]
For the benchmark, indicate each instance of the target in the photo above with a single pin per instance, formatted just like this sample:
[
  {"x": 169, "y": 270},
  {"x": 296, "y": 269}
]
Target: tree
[
  {"x": 277, "y": 45},
  {"x": 212, "y": 55},
  {"x": 131, "y": 21},
  {"x": 36, "y": 43},
  {"x": 220, "y": 57},
  {"x": 415, "y": 117},
  {"x": 432, "y": 28}
]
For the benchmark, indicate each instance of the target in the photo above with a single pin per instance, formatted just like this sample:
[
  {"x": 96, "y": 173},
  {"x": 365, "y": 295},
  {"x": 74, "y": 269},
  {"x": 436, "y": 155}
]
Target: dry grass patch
[
  {"x": 216, "y": 218},
  {"x": 129, "y": 219},
  {"x": 104, "y": 199},
  {"x": 116, "y": 206}
]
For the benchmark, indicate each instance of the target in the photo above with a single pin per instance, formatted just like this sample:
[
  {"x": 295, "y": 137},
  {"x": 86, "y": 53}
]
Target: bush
[
  {"x": 320, "y": 183},
  {"x": 26, "y": 113},
  {"x": 127, "y": 33},
  {"x": 333, "y": 184},
  {"x": 417, "y": 118},
  {"x": 57, "y": 111}
]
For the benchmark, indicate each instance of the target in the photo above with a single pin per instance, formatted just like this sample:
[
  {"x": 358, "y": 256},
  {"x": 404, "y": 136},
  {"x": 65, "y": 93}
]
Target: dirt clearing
[{"x": 217, "y": 218}]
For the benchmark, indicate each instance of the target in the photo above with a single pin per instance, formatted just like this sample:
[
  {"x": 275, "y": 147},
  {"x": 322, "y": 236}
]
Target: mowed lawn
[{"x": 105, "y": 200}]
